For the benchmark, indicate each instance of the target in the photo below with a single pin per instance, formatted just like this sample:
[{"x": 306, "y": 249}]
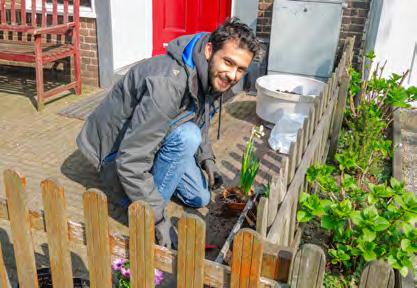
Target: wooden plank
[
  {"x": 44, "y": 14},
  {"x": 3, "y": 272},
  {"x": 338, "y": 117},
  {"x": 141, "y": 244},
  {"x": 377, "y": 274},
  {"x": 300, "y": 145},
  {"x": 292, "y": 156},
  {"x": 246, "y": 259},
  {"x": 308, "y": 267},
  {"x": 3, "y": 11},
  {"x": 278, "y": 267},
  {"x": 276, "y": 194},
  {"x": 54, "y": 12},
  {"x": 97, "y": 234},
  {"x": 13, "y": 12},
  {"x": 191, "y": 253},
  {"x": 312, "y": 123},
  {"x": 57, "y": 228},
  {"x": 215, "y": 274},
  {"x": 305, "y": 134},
  {"x": 23, "y": 13},
  {"x": 33, "y": 13},
  {"x": 15, "y": 186},
  {"x": 66, "y": 11},
  {"x": 262, "y": 216}
]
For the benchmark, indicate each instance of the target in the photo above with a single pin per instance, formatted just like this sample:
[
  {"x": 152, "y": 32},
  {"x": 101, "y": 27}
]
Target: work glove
[
  {"x": 215, "y": 179},
  {"x": 165, "y": 234}
]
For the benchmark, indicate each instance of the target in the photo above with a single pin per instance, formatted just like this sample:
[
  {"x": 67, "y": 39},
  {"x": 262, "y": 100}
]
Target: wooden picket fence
[
  {"x": 276, "y": 218},
  {"x": 255, "y": 263}
]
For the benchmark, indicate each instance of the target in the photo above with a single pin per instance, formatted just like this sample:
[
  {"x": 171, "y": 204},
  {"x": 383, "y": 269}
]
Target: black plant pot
[{"x": 45, "y": 280}]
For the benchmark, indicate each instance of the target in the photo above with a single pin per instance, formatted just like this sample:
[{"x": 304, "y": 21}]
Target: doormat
[{"x": 83, "y": 108}]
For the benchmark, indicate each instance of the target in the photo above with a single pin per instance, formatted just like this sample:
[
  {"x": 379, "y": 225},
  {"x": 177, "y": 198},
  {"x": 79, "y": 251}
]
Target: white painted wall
[
  {"x": 396, "y": 39},
  {"x": 131, "y": 31}
]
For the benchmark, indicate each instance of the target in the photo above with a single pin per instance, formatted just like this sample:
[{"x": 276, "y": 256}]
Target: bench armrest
[{"x": 56, "y": 29}]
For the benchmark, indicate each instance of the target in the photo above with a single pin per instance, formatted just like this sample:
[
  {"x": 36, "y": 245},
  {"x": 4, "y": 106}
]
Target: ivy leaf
[
  {"x": 381, "y": 224},
  {"x": 327, "y": 222},
  {"x": 405, "y": 244},
  {"x": 356, "y": 217},
  {"x": 368, "y": 235},
  {"x": 404, "y": 271},
  {"x": 302, "y": 216}
]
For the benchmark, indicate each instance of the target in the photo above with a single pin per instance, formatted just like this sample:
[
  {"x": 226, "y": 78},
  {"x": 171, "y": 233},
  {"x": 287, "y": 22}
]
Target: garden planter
[
  {"x": 234, "y": 199},
  {"x": 45, "y": 279}
]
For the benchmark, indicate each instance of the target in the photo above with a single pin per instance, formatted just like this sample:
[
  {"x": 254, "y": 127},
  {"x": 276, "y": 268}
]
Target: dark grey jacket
[{"x": 132, "y": 121}]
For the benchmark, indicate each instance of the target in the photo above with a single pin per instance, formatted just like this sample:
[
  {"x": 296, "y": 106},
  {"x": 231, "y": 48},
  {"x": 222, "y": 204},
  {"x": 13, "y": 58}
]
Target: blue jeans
[{"x": 175, "y": 171}]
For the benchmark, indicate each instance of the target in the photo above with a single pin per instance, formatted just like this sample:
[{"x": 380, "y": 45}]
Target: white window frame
[{"x": 87, "y": 12}]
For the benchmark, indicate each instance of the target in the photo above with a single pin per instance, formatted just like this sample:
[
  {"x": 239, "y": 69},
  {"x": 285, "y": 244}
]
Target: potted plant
[{"x": 236, "y": 197}]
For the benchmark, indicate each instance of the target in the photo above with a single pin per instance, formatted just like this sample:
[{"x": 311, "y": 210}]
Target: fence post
[
  {"x": 377, "y": 274},
  {"x": 262, "y": 216},
  {"x": 191, "y": 253},
  {"x": 341, "y": 98},
  {"x": 57, "y": 230},
  {"x": 308, "y": 267},
  {"x": 141, "y": 244},
  {"x": 20, "y": 228},
  {"x": 246, "y": 259},
  {"x": 97, "y": 235},
  {"x": 3, "y": 272}
]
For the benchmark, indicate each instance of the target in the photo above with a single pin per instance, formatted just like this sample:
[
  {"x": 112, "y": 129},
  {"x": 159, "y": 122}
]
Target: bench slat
[
  {"x": 13, "y": 12},
  {"x": 33, "y": 13},
  {"x": 66, "y": 11},
  {"x": 23, "y": 12},
  {"x": 54, "y": 11},
  {"x": 3, "y": 11},
  {"x": 44, "y": 13}
]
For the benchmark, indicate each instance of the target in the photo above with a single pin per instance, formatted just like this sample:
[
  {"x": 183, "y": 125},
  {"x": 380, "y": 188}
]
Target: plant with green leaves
[
  {"x": 250, "y": 163},
  {"x": 366, "y": 222}
]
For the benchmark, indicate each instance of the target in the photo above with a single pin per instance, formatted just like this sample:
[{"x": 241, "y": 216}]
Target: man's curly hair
[{"x": 234, "y": 29}]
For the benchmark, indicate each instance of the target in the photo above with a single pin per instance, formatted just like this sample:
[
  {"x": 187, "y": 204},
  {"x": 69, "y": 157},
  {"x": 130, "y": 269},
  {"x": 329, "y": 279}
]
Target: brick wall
[
  {"x": 88, "y": 51},
  {"x": 263, "y": 24},
  {"x": 353, "y": 23}
]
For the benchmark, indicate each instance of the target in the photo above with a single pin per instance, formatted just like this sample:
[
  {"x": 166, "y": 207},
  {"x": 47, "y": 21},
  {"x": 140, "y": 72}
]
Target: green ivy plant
[
  {"x": 369, "y": 216},
  {"x": 367, "y": 222}
]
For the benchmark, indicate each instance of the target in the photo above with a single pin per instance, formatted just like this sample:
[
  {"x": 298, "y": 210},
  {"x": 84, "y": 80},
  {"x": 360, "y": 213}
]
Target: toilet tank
[{"x": 304, "y": 37}]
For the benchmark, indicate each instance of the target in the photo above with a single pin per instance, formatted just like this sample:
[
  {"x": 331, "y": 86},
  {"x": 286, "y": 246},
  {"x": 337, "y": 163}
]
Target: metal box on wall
[{"x": 304, "y": 37}]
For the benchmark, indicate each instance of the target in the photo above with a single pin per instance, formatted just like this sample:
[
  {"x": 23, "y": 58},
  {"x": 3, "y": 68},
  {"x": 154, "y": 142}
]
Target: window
[{"x": 86, "y": 7}]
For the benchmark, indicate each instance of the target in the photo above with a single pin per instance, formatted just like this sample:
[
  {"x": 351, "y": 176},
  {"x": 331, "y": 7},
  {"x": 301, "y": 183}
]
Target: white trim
[{"x": 86, "y": 12}]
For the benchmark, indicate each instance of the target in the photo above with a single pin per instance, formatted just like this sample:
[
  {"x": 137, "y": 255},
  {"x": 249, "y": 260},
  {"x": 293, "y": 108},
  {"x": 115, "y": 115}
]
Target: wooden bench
[{"x": 40, "y": 35}]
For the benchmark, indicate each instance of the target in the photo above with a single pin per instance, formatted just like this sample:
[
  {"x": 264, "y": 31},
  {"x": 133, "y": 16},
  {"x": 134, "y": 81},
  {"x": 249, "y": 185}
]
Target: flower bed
[{"x": 363, "y": 213}]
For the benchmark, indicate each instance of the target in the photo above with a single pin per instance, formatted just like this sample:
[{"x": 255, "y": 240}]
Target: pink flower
[
  {"x": 118, "y": 264},
  {"x": 159, "y": 277},
  {"x": 125, "y": 272}
]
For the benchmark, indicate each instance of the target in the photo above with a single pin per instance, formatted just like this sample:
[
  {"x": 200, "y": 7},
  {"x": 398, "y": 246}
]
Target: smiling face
[{"x": 227, "y": 65}]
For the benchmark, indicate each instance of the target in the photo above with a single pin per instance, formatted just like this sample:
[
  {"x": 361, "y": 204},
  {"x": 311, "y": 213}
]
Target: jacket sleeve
[{"x": 147, "y": 128}]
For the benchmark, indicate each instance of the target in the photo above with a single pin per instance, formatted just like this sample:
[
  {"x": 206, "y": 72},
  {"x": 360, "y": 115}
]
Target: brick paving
[{"x": 42, "y": 144}]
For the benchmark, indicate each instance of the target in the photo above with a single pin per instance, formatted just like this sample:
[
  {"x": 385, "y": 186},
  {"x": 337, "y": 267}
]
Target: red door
[{"x": 173, "y": 18}]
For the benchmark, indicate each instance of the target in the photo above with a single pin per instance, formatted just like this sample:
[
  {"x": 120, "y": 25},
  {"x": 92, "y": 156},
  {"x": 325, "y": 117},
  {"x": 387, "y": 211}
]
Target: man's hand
[{"x": 215, "y": 179}]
